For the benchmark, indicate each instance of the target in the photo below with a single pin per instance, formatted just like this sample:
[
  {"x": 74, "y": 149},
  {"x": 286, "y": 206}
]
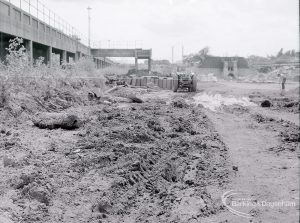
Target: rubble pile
[
  {"x": 143, "y": 161},
  {"x": 161, "y": 153}
]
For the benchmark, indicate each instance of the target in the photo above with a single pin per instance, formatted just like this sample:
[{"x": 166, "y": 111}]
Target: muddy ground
[{"x": 168, "y": 159}]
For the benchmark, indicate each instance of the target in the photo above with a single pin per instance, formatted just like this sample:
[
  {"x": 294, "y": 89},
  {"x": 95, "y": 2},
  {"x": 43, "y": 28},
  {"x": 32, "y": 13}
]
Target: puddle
[{"x": 213, "y": 102}]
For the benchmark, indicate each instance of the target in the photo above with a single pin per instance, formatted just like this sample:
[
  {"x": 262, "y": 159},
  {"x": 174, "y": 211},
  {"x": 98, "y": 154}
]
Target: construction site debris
[
  {"x": 157, "y": 161},
  {"x": 46, "y": 120},
  {"x": 213, "y": 102},
  {"x": 266, "y": 104}
]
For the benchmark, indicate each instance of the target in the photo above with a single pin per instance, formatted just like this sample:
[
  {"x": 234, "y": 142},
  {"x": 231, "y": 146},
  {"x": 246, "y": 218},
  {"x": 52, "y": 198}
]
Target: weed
[{"x": 43, "y": 82}]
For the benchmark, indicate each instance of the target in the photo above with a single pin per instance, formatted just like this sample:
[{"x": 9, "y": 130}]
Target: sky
[{"x": 227, "y": 27}]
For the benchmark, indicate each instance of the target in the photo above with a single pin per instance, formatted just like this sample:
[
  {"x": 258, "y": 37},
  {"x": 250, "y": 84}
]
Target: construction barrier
[
  {"x": 144, "y": 81},
  {"x": 160, "y": 83},
  {"x": 139, "y": 82},
  {"x": 133, "y": 82},
  {"x": 164, "y": 83},
  {"x": 169, "y": 84},
  {"x": 129, "y": 80}
]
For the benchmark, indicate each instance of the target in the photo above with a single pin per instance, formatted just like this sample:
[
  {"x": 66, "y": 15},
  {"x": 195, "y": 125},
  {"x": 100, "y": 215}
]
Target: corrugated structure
[{"x": 162, "y": 82}]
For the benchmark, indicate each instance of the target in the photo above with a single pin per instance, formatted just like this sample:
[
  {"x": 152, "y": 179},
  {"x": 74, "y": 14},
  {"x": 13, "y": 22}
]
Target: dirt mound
[
  {"x": 289, "y": 135},
  {"x": 288, "y": 132},
  {"x": 261, "y": 118},
  {"x": 290, "y": 104},
  {"x": 161, "y": 157},
  {"x": 266, "y": 104},
  {"x": 179, "y": 103},
  {"x": 50, "y": 95},
  {"x": 143, "y": 162}
]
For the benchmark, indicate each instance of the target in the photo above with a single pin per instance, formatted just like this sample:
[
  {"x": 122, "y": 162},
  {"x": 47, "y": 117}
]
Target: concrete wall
[
  {"x": 246, "y": 72},
  {"x": 17, "y": 22},
  {"x": 40, "y": 39}
]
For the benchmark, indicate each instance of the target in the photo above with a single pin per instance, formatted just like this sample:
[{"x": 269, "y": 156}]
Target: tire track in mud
[
  {"x": 150, "y": 162},
  {"x": 157, "y": 161},
  {"x": 264, "y": 150}
]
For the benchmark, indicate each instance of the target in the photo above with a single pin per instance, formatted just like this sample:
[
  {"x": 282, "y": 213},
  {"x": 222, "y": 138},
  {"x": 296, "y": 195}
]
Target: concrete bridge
[
  {"x": 42, "y": 39},
  {"x": 136, "y": 53}
]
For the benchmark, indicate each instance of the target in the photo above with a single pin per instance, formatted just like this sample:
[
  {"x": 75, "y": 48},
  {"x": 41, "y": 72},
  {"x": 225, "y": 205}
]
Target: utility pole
[
  {"x": 172, "y": 54},
  {"x": 182, "y": 52},
  {"x": 89, "y": 17}
]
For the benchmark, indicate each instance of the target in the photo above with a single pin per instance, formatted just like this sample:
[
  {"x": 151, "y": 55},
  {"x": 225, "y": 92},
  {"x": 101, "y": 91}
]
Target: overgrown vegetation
[{"x": 53, "y": 87}]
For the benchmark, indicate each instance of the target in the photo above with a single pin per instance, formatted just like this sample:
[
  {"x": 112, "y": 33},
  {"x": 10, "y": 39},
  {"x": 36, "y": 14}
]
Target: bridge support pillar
[
  {"x": 49, "y": 56},
  {"x": 2, "y": 47},
  {"x": 136, "y": 64},
  {"x": 64, "y": 56},
  {"x": 76, "y": 56},
  {"x": 149, "y": 64},
  {"x": 29, "y": 49},
  {"x": 96, "y": 62}
]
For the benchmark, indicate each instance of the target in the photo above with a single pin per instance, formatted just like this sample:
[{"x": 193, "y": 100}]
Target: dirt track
[
  {"x": 165, "y": 160},
  {"x": 267, "y": 163}
]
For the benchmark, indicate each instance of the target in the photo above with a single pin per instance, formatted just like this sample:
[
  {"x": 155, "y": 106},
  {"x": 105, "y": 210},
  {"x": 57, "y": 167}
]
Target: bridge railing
[
  {"x": 39, "y": 10},
  {"x": 115, "y": 44}
]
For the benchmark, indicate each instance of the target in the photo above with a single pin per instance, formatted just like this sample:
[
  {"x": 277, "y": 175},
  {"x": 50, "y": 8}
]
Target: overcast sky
[{"x": 228, "y": 27}]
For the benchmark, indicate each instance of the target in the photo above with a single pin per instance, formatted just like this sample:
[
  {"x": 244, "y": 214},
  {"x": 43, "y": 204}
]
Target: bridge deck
[
  {"x": 41, "y": 36},
  {"x": 137, "y": 53}
]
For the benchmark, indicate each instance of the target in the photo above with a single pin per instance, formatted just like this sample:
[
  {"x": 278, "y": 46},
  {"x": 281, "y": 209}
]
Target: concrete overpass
[
  {"x": 136, "y": 53},
  {"x": 42, "y": 39}
]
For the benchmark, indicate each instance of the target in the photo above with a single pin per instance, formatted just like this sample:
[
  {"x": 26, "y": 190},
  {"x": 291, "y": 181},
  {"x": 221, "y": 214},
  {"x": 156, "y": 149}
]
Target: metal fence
[{"x": 39, "y": 10}]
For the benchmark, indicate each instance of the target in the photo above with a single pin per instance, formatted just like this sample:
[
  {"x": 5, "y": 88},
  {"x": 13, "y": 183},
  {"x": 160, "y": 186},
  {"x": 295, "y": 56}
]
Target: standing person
[{"x": 282, "y": 79}]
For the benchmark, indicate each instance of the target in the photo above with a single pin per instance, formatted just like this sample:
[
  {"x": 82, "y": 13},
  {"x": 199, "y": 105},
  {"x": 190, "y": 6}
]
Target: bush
[{"x": 54, "y": 87}]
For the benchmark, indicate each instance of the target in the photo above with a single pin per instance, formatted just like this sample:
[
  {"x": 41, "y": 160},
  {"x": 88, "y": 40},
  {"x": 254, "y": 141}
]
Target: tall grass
[{"x": 19, "y": 74}]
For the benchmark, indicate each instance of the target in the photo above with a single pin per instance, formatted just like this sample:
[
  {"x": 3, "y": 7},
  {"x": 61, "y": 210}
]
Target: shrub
[
  {"x": 17, "y": 60},
  {"x": 43, "y": 82}
]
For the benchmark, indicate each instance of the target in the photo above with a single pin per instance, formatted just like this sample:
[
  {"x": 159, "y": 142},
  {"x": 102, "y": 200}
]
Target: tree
[
  {"x": 293, "y": 53},
  {"x": 197, "y": 58},
  {"x": 280, "y": 53},
  {"x": 288, "y": 53}
]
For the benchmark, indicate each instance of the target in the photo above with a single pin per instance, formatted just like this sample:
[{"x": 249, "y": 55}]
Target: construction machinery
[{"x": 184, "y": 81}]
